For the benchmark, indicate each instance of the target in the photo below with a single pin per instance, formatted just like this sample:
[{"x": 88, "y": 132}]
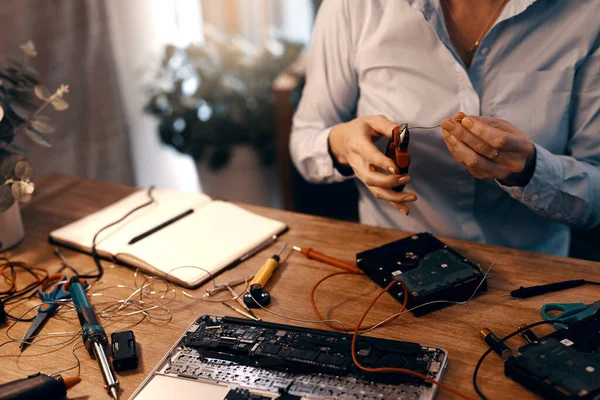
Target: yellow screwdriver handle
[{"x": 265, "y": 272}]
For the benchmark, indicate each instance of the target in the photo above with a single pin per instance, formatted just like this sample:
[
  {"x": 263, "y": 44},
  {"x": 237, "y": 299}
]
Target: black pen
[{"x": 159, "y": 227}]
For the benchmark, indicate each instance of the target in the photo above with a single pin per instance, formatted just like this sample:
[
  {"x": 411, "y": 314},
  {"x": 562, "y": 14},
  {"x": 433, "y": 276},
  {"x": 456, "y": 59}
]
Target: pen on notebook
[{"x": 161, "y": 226}]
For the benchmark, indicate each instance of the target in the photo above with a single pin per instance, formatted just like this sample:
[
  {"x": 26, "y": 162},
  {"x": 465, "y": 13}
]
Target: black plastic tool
[
  {"x": 124, "y": 351},
  {"x": 526, "y": 292}
]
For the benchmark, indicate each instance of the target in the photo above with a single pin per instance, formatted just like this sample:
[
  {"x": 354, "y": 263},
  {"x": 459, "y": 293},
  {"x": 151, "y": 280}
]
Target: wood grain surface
[{"x": 61, "y": 199}]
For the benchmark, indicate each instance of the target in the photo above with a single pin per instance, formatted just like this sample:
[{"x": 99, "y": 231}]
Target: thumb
[{"x": 381, "y": 124}]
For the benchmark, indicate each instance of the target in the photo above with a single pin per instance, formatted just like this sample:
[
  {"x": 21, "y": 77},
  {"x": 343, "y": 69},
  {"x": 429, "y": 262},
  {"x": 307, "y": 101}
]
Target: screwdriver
[
  {"x": 94, "y": 337},
  {"x": 257, "y": 293}
]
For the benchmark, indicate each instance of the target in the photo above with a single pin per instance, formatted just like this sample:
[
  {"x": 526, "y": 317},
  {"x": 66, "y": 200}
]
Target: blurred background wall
[{"x": 106, "y": 51}]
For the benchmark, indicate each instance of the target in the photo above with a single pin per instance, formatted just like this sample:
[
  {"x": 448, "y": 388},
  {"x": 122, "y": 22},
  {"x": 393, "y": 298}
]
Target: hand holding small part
[{"x": 490, "y": 148}]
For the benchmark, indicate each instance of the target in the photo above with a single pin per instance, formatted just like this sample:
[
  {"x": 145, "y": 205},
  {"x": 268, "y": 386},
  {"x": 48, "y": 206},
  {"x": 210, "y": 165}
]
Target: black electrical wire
[
  {"x": 505, "y": 338},
  {"x": 14, "y": 294},
  {"x": 95, "y": 255}
]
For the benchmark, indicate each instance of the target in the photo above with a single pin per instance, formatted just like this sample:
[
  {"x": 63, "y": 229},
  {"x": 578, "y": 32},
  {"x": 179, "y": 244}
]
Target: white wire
[{"x": 315, "y": 321}]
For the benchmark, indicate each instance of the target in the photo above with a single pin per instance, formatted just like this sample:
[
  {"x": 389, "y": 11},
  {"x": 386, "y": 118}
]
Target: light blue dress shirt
[{"x": 538, "y": 68}]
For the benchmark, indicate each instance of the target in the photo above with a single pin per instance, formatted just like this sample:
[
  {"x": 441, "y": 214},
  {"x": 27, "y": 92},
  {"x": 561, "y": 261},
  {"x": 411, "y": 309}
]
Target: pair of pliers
[
  {"x": 569, "y": 312},
  {"x": 52, "y": 291},
  {"x": 397, "y": 150}
]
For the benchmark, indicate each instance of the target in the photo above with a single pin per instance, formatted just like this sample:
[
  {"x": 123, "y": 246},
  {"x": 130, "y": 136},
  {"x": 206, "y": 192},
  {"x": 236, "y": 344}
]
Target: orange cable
[
  {"x": 320, "y": 316},
  {"x": 390, "y": 369},
  {"x": 359, "y": 328}
]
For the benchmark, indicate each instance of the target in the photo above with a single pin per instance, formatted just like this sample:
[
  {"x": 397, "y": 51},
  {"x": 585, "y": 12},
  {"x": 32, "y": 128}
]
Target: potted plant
[
  {"x": 22, "y": 101},
  {"x": 214, "y": 102}
]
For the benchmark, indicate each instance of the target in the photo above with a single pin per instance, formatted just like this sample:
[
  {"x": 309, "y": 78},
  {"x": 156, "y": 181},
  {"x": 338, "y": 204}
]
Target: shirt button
[
  {"x": 485, "y": 50},
  {"x": 534, "y": 197}
]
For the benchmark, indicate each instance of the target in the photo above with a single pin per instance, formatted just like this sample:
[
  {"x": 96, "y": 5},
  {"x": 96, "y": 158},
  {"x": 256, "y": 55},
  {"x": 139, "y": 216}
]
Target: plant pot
[
  {"x": 11, "y": 227},
  {"x": 244, "y": 179}
]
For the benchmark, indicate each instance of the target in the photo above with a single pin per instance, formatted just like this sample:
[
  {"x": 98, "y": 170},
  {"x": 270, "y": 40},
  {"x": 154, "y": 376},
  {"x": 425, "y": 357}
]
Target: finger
[
  {"x": 497, "y": 138},
  {"x": 513, "y": 162},
  {"x": 372, "y": 177},
  {"x": 459, "y": 116},
  {"x": 392, "y": 196},
  {"x": 371, "y": 154},
  {"x": 381, "y": 124},
  {"x": 465, "y": 136},
  {"x": 477, "y": 165},
  {"x": 402, "y": 207}
]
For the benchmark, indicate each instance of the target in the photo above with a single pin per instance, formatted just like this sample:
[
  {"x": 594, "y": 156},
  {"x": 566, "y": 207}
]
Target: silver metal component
[
  {"x": 220, "y": 288},
  {"x": 242, "y": 312},
  {"x": 282, "y": 249},
  {"x": 112, "y": 385}
]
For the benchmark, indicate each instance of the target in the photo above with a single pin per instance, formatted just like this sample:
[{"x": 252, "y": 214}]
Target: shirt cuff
[
  {"x": 544, "y": 185},
  {"x": 324, "y": 160}
]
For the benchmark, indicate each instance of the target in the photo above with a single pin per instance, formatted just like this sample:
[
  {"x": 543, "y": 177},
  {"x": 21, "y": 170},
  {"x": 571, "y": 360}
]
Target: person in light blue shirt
[{"x": 518, "y": 168}]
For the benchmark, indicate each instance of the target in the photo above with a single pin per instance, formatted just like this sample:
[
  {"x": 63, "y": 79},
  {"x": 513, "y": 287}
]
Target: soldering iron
[
  {"x": 257, "y": 292},
  {"x": 94, "y": 337}
]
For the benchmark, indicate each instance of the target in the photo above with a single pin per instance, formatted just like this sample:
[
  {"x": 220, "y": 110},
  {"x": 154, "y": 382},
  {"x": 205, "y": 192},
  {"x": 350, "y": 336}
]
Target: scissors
[
  {"x": 397, "y": 150},
  {"x": 569, "y": 312},
  {"x": 54, "y": 289}
]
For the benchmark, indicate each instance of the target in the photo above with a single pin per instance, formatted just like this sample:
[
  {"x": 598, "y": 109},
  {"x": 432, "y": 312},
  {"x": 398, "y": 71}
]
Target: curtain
[{"x": 74, "y": 47}]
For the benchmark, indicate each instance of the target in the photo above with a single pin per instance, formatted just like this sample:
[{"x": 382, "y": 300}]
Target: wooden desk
[{"x": 62, "y": 199}]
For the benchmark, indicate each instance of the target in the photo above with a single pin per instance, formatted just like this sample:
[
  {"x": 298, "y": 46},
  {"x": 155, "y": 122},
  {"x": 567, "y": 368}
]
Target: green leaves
[
  {"x": 41, "y": 92},
  {"x": 7, "y": 167},
  {"x": 21, "y": 111},
  {"x": 23, "y": 170},
  {"x": 43, "y": 124},
  {"x": 59, "y": 104},
  {"x": 37, "y": 137}
]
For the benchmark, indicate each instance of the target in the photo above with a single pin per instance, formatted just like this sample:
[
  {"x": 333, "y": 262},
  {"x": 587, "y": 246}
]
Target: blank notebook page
[
  {"x": 213, "y": 237},
  {"x": 169, "y": 203}
]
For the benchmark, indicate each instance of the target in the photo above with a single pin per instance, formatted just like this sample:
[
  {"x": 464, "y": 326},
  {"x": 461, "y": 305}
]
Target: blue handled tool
[
  {"x": 94, "y": 337},
  {"x": 54, "y": 289},
  {"x": 569, "y": 312}
]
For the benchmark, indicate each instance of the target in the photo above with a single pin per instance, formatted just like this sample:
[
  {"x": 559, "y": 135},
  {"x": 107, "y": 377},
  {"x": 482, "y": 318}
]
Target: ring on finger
[{"x": 494, "y": 155}]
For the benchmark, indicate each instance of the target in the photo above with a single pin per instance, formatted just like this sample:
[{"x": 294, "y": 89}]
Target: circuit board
[
  {"x": 562, "y": 365},
  {"x": 313, "y": 364},
  {"x": 431, "y": 270}
]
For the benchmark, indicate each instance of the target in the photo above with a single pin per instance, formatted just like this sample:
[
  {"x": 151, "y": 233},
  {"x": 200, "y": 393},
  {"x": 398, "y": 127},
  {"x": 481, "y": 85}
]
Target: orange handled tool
[
  {"x": 315, "y": 255},
  {"x": 397, "y": 150},
  {"x": 257, "y": 296}
]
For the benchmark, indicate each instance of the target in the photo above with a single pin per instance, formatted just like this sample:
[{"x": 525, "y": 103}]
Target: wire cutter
[
  {"x": 569, "y": 312},
  {"x": 54, "y": 289},
  {"x": 397, "y": 150}
]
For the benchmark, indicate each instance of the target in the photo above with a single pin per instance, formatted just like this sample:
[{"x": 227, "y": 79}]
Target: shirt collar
[{"x": 513, "y": 8}]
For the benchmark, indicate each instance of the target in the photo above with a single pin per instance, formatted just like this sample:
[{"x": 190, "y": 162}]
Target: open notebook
[{"x": 215, "y": 236}]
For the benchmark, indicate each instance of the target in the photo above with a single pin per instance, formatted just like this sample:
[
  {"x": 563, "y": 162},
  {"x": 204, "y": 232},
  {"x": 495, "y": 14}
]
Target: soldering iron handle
[
  {"x": 90, "y": 326},
  {"x": 526, "y": 292},
  {"x": 265, "y": 272}
]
